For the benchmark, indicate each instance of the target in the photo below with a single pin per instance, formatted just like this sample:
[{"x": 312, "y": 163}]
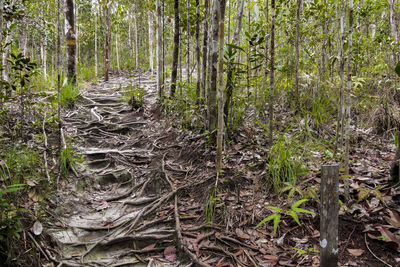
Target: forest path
[{"x": 119, "y": 203}]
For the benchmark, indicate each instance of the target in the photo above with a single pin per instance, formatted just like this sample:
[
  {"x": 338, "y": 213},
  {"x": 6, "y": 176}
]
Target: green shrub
[
  {"x": 68, "y": 159},
  {"x": 69, "y": 94},
  {"x": 281, "y": 164}
]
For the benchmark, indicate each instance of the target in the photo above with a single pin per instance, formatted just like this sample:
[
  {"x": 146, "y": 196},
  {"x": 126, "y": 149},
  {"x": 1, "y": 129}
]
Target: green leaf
[
  {"x": 276, "y": 209},
  {"x": 300, "y": 210},
  {"x": 270, "y": 217},
  {"x": 277, "y": 219},
  {"x": 294, "y": 216},
  {"x": 298, "y": 203}
]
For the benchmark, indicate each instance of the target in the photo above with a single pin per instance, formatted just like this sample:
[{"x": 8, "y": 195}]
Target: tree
[
  {"x": 198, "y": 50},
  {"x": 229, "y": 82},
  {"x": 272, "y": 72},
  {"x": 212, "y": 95},
  {"x": 71, "y": 41},
  {"x": 175, "y": 55},
  {"x": 160, "y": 80},
  {"x": 107, "y": 40},
  {"x": 205, "y": 50},
  {"x": 220, "y": 133},
  {"x": 299, "y": 2},
  {"x": 151, "y": 41}
]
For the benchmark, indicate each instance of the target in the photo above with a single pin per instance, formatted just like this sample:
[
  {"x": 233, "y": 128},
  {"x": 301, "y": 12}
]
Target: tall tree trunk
[
  {"x": 95, "y": 46},
  {"x": 297, "y": 52},
  {"x": 271, "y": 73},
  {"x": 175, "y": 56},
  {"x": 59, "y": 67},
  {"x": 43, "y": 45},
  {"x": 23, "y": 42},
  {"x": 392, "y": 20},
  {"x": 204, "y": 74},
  {"x": 71, "y": 41},
  {"x": 188, "y": 44},
  {"x": 324, "y": 32},
  {"x": 341, "y": 74},
  {"x": 117, "y": 49},
  {"x": 151, "y": 42},
  {"x": 1, "y": 47},
  {"x": 229, "y": 82},
  {"x": 107, "y": 41},
  {"x": 347, "y": 105},
  {"x": 212, "y": 96},
  {"x": 77, "y": 32},
  {"x": 198, "y": 50},
  {"x": 137, "y": 65},
  {"x": 160, "y": 84},
  {"x": 220, "y": 133}
]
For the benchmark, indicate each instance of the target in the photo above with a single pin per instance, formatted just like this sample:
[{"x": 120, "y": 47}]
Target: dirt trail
[{"x": 120, "y": 201}]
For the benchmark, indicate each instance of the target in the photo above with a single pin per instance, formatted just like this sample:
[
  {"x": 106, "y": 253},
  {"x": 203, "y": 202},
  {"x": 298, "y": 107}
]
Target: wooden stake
[{"x": 329, "y": 215}]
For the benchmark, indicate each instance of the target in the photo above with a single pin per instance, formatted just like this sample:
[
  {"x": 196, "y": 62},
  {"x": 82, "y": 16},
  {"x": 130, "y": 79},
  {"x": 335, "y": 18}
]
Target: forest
[{"x": 199, "y": 133}]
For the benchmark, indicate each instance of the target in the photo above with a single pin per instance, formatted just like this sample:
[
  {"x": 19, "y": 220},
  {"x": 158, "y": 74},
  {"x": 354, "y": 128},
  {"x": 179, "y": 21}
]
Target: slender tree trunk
[
  {"x": 77, "y": 33},
  {"x": 1, "y": 48},
  {"x": 341, "y": 93},
  {"x": 392, "y": 20},
  {"x": 117, "y": 50},
  {"x": 59, "y": 67},
  {"x": 198, "y": 81},
  {"x": 175, "y": 56},
  {"x": 212, "y": 97},
  {"x": 23, "y": 42},
  {"x": 188, "y": 44},
  {"x": 348, "y": 93},
  {"x": 297, "y": 52},
  {"x": 136, "y": 43},
  {"x": 43, "y": 45},
  {"x": 272, "y": 72},
  {"x": 220, "y": 133},
  {"x": 367, "y": 31},
  {"x": 151, "y": 42},
  {"x": 71, "y": 41},
  {"x": 324, "y": 32},
  {"x": 107, "y": 41},
  {"x": 205, "y": 52},
  {"x": 159, "y": 51},
  {"x": 229, "y": 82},
  {"x": 95, "y": 46}
]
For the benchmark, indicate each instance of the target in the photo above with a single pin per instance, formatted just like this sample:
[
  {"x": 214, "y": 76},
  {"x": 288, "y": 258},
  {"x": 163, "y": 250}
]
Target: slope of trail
[{"x": 118, "y": 207}]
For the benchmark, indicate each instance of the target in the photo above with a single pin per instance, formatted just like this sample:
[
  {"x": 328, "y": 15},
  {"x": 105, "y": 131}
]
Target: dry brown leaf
[
  {"x": 242, "y": 234},
  {"x": 170, "y": 253},
  {"x": 355, "y": 252}
]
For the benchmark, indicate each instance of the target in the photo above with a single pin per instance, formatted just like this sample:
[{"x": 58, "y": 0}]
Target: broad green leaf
[
  {"x": 270, "y": 217},
  {"x": 298, "y": 203},
  {"x": 277, "y": 219},
  {"x": 276, "y": 209},
  {"x": 300, "y": 210},
  {"x": 294, "y": 216}
]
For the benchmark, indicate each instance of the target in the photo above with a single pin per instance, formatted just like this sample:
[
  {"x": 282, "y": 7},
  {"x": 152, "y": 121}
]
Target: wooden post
[{"x": 329, "y": 215}]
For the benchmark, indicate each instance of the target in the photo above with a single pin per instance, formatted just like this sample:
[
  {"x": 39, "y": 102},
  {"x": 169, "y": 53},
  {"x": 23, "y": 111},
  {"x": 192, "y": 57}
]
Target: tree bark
[
  {"x": 198, "y": 50},
  {"x": 347, "y": 104},
  {"x": 160, "y": 84},
  {"x": 272, "y": 72},
  {"x": 297, "y": 52},
  {"x": 229, "y": 82},
  {"x": 175, "y": 56},
  {"x": 95, "y": 45},
  {"x": 212, "y": 96},
  {"x": 188, "y": 44},
  {"x": 107, "y": 41},
  {"x": 151, "y": 42},
  {"x": 71, "y": 41},
  {"x": 220, "y": 133},
  {"x": 205, "y": 50}
]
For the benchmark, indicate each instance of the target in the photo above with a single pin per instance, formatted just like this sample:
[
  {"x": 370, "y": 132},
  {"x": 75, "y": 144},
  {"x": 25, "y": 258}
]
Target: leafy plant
[
  {"x": 10, "y": 224},
  {"x": 69, "y": 158},
  {"x": 281, "y": 164},
  {"x": 212, "y": 201},
  {"x": 280, "y": 212},
  {"x": 301, "y": 252},
  {"x": 134, "y": 94},
  {"x": 69, "y": 94},
  {"x": 365, "y": 192}
]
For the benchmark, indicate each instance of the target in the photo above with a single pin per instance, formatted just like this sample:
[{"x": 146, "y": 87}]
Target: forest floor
[{"x": 139, "y": 196}]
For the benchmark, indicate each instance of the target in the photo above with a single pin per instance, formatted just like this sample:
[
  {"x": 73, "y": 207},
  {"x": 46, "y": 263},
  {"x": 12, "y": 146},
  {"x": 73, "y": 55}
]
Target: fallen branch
[{"x": 373, "y": 254}]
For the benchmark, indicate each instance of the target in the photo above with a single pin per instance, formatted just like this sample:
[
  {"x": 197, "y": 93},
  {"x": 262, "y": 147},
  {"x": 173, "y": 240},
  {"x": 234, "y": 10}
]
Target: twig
[
  {"x": 348, "y": 239},
  {"x": 376, "y": 257},
  {"x": 38, "y": 246}
]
